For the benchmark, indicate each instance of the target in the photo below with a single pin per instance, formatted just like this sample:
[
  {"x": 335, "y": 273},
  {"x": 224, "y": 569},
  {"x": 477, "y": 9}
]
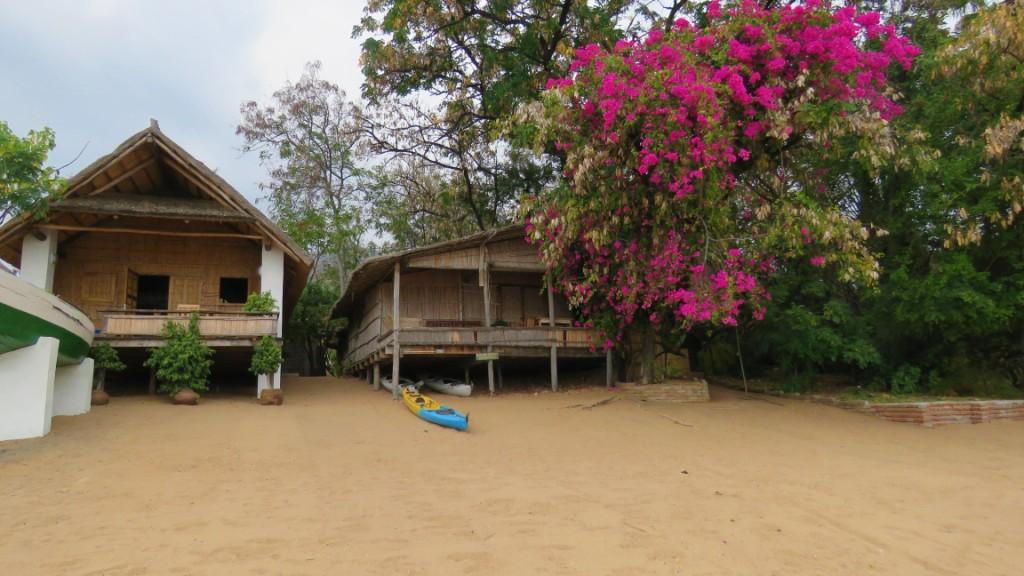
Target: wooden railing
[
  {"x": 561, "y": 336},
  {"x": 212, "y": 323}
]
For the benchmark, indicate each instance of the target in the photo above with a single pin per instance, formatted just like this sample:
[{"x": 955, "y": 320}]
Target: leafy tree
[
  {"x": 308, "y": 139},
  {"x": 266, "y": 356},
  {"x": 105, "y": 357},
  {"x": 184, "y": 360},
  {"x": 310, "y": 322},
  {"x": 947, "y": 313},
  {"x": 695, "y": 158},
  {"x": 260, "y": 302},
  {"x": 443, "y": 81},
  {"x": 26, "y": 183}
]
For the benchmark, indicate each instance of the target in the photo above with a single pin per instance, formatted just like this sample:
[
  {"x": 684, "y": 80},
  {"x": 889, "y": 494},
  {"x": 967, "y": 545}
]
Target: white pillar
[
  {"x": 38, "y": 258},
  {"x": 272, "y": 280},
  {"x": 27, "y": 405},
  {"x": 268, "y": 381},
  {"x": 72, "y": 389}
]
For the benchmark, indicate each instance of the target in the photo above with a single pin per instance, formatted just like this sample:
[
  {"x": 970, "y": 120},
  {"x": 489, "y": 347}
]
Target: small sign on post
[{"x": 486, "y": 356}]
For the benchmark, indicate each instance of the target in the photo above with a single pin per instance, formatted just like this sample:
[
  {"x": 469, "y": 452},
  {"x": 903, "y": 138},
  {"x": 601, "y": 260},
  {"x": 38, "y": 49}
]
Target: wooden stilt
[
  {"x": 152, "y": 381},
  {"x": 466, "y": 375},
  {"x": 376, "y": 375},
  {"x": 485, "y": 281},
  {"x": 501, "y": 378},
  {"x": 554, "y": 342},
  {"x": 396, "y": 328}
]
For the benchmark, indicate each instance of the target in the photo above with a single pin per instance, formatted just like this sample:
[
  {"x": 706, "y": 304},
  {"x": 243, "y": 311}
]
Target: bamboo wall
[{"x": 91, "y": 269}]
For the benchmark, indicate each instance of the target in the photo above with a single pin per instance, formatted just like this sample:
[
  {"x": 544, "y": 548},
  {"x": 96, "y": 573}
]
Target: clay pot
[
  {"x": 100, "y": 398},
  {"x": 186, "y": 397},
  {"x": 271, "y": 397}
]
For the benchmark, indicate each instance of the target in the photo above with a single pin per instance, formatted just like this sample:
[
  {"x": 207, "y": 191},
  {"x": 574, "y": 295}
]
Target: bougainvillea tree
[{"x": 693, "y": 162}]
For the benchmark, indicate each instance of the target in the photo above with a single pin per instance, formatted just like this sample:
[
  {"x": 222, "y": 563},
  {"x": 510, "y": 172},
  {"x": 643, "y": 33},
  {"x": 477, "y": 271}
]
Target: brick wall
[
  {"x": 942, "y": 413},
  {"x": 695, "y": 390}
]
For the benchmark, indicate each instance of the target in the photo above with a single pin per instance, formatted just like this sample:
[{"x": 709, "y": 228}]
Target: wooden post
[
  {"x": 501, "y": 377},
  {"x": 465, "y": 373},
  {"x": 152, "y": 381},
  {"x": 485, "y": 279},
  {"x": 369, "y": 376},
  {"x": 376, "y": 375},
  {"x": 396, "y": 325},
  {"x": 554, "y": 343},
  {"x": 608, "y": 382}
]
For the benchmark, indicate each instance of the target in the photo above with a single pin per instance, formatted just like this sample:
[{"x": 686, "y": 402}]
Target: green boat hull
[{"x": 19, "y": 329}]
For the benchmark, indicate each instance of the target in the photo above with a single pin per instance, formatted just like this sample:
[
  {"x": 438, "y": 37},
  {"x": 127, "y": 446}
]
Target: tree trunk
[{"x": 647, "y": 355}]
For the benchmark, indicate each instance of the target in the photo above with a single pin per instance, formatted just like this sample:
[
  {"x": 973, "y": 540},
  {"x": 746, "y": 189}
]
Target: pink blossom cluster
[{"x": 679, "y": 115}]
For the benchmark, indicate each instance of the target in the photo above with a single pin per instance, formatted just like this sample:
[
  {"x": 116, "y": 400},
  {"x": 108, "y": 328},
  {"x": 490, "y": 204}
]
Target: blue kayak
[{"x": 432, "y": 411}]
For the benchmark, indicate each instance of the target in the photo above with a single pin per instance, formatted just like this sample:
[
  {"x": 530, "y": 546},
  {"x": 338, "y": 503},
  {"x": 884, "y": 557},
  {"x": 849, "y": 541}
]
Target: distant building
[{"x": 477, "y": 299}]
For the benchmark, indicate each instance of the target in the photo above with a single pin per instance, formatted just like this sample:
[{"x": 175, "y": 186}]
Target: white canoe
[
  {"x": 28, "y": 312},
  {"x": 386, "y": 383},
  {"x": 449, "y": 386}
]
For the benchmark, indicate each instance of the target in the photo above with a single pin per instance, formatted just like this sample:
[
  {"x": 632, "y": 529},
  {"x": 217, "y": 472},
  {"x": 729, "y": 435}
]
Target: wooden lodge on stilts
[
  {"x": 475, "y": 300},
  {"x": 149, "y": 234}
]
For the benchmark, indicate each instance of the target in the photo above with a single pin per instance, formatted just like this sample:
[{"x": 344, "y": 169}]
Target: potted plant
[
  {"x": 266, "y": 359},
  {"x": 105, "y": 358},
  {"x": 183, "y": 363},
  {"x": 260, "y": 302}
]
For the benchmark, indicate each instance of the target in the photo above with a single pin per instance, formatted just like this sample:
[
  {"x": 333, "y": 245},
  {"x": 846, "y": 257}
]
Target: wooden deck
[
  {"x": 512, "y": 341},
  {"x": 147, "y": 325}
]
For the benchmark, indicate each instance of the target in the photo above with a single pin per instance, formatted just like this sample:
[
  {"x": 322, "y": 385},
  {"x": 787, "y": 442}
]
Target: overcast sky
[{"x": 96, "y": 71}]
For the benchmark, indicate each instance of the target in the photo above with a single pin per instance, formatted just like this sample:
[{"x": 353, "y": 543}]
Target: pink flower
[{"x": 817, "y": 261}]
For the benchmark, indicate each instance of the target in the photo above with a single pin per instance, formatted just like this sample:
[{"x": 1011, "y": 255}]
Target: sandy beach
[{"x": 342, "y": 480}]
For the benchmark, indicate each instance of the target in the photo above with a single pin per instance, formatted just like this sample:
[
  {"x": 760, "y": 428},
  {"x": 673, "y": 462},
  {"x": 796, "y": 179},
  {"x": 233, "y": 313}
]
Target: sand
[{"x": 341, "y": 480}]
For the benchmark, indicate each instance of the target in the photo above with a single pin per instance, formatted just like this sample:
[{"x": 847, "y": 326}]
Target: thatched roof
[
  {"x": 152, "y": 207},
  {"x": 373, "y": 270},
  {"x": 142, "y": 166}
]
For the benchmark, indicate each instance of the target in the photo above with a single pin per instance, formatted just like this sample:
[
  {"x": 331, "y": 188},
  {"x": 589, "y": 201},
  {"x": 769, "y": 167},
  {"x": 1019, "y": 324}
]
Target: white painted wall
[
  {"x": 38, "y": 258},
  {"x": 272, "y": 279},
  {"x": 72, "y": 389},
  {"x": 27, "y": 388}
]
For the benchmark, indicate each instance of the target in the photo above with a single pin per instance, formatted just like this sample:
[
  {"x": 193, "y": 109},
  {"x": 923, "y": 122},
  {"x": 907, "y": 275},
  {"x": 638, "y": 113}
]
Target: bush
[
  {"x": 105, "y": 358},
  {"x": 184, "y": 360},
  {"x": 260, "y": 302},
  {"x": 905, "y": 380},
  {"x": 266, "y": 356}
]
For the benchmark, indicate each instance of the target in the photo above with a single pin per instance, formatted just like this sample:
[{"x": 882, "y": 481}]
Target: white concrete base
[
  {"x": 267, "y": 381},
  {"x": 26, "y": 383},
  {"x": 72, "y": 389}
]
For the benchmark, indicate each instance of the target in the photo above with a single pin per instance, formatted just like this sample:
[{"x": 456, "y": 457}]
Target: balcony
[{"x": 147, "y": 325}]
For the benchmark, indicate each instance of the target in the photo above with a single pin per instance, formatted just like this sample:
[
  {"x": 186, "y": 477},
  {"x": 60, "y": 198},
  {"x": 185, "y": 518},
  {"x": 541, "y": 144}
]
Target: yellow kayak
[{"x": 433, "y": 411}]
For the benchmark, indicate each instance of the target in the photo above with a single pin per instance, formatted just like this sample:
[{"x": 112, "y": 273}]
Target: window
[
  {"x": 234, "y": 290},
  {"x": 153, "y": 292}
]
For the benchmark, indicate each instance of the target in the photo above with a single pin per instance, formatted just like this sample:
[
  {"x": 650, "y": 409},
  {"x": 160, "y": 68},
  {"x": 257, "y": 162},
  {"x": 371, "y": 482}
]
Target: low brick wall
[
  {"x": 942, "y": 413},
  {"x": 695, "y": 390}
]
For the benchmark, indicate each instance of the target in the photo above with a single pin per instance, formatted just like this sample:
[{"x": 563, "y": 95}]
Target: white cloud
[
  {"x": 295, "y": 33},
  {"x": 97, "y": 70}
]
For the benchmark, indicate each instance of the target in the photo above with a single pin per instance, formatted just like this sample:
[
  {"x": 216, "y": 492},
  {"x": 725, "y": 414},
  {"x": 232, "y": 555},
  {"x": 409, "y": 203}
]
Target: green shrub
[
  {"x": 260, "y": 302},
  {"x": 905, "y": 380},
  {"x": 184, "y": 360},
  {"x": 105, "y": 358},
  {"x": 266, "y": 356}
]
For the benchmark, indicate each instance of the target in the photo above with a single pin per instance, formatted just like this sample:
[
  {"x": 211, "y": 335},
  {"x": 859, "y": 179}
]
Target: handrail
[{"x": 147, "y": 312}]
